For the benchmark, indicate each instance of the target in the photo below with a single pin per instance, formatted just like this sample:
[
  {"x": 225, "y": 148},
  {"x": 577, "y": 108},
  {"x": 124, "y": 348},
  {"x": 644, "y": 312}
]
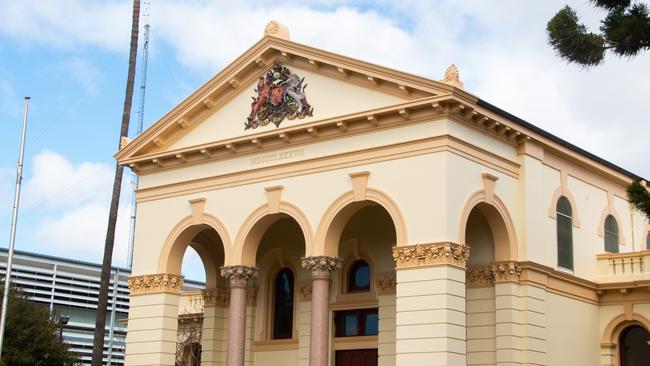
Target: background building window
[
  {"x": 355, "y": 323},
  {"x": 564, "y": 233},
  {"x": 611, "y": 234},
  {"x": 359, "y": 277},
  {"x": 283, "y": 305}
]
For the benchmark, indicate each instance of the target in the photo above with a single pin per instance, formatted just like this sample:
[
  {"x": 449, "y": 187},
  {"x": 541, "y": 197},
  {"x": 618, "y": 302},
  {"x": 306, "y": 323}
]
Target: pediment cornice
[{"x": 257, "y": 60}]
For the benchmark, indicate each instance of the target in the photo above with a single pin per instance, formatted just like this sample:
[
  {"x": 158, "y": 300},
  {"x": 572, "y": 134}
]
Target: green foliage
[
  {"x": 625, "y": 31},
  {"x": 31, "y": 336},
  {"x": 639, "y": 196}
]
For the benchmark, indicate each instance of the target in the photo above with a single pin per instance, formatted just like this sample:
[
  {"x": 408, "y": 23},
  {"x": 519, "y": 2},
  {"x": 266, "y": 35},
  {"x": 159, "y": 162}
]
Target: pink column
[
  {"x": 239, "y": 277},
  {"x": 320, "y": 267}
]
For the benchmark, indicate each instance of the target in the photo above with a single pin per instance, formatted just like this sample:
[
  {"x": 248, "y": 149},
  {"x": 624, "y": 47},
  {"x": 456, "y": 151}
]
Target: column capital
[
  {"x": 506, "y": 271},
  {"x": 239, "y": 273},
  {"x": 322, "y": 263},
  {"x": 420, "y": 255},
  {"x": 155, "y": 283},
  {"x": 215, "y": 297}
]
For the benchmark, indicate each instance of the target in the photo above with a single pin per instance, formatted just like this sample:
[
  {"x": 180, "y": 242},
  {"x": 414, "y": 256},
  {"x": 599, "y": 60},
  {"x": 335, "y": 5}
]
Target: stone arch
[
  {"x": 564, "y": 192},
  {"x": 499, "y": 220},
  {"x": 601, "y": 224},
  {"x": 615, "y": 327},
  {"x": 188, "y": 233},
  {"x": 254, "y": 227},
  {"x": 341, "y": 210}
]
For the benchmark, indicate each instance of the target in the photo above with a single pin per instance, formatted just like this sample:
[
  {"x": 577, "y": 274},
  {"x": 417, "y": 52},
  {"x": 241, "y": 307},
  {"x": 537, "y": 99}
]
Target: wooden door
[{"x": 357, "y": 357}]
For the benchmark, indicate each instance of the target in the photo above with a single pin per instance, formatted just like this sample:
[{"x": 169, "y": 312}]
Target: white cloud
[
  {"x": 68, "y": 23},
  {"x": 56, "y": 182},
  {"x": 84, "y": 72},
  {"x": 80, "y": 233}
]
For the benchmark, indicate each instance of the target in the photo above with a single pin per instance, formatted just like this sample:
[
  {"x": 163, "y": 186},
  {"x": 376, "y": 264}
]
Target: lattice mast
[{"x": 143, "y": 88}]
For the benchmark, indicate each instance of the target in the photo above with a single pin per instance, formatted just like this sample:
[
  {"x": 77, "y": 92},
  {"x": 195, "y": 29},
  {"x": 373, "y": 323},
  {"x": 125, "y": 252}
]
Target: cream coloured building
[{"x": 350, "y": 214}]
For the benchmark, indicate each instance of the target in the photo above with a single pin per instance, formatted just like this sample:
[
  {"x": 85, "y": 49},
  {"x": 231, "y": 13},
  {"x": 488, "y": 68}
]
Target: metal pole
[{"x": 14, "y": 218}]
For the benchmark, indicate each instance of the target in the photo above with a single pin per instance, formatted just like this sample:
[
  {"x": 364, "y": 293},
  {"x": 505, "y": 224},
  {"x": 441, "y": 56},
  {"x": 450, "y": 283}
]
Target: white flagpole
[{"x": 14, "y": 218}]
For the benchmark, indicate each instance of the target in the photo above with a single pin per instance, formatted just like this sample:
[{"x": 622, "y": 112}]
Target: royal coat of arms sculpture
[{"x": 280, "y": 95}]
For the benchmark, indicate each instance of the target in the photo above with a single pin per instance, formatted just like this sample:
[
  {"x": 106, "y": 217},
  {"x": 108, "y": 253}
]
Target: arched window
[
  {"x": 633, "y": 346},
  {"x": 359, "y": 277},
  {"x": 647, "y": 241},
  {"x": 564, "y": 233},
  {"x": 283, "y": 305},
  {"x": 611, "y": 234}
]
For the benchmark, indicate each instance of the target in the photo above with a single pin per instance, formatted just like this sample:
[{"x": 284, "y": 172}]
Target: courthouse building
[{"x": 350, "y": 214}]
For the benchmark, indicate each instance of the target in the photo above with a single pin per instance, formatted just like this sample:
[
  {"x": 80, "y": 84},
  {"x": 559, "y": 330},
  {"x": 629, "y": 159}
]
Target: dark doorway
[
  {"x": 357, "y": 357},
  {"x": 635, "y": 346}
]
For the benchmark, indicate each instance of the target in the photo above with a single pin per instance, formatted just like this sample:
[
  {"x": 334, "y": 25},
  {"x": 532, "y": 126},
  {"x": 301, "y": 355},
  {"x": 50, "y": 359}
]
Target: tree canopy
[
  {"x": 31, "y": 335},
  {"x": 625, "y": 31}
]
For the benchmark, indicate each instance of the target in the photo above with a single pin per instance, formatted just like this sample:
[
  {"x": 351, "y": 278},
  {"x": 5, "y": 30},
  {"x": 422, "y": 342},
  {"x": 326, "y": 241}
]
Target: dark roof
[{"x": 550, "y": 136}]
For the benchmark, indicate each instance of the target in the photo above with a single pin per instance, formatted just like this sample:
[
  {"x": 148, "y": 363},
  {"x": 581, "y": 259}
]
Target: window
[
  {"x": 647, "y": 241},
  {"x": 359, "y": 277},
  {"x": 564, "y": 233},
  {"x": 283, "y": 305},
  {"x": 354, "y": 323},
  {"x": 611, "y": 234}
]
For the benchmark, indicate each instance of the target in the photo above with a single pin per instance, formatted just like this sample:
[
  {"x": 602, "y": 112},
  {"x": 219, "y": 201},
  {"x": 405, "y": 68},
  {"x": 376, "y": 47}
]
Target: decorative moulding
[
  {"x": 359, "y": 185},
  {"x": 216, "y": 297},
  {"x": 273, "y": 197},
  {"x": 489, "y": 181},
  {"x": 198, "y": 205},
  {"x": 386, "y": 284},
  {"x": 321, "y": 264},
  {"x": 155, "y": 283},
  {"x": 493, "y": 273},
  {"x": 304, "y": 291},
  {"x": 239, "y": 273},
  {"x": 420, "y": 255}
]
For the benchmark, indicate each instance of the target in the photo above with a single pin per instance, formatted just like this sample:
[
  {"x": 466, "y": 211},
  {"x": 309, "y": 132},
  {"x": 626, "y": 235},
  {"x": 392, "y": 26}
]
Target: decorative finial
[
  {"x": 275, "y": 29},
  {"x": 452, "y": 77}
]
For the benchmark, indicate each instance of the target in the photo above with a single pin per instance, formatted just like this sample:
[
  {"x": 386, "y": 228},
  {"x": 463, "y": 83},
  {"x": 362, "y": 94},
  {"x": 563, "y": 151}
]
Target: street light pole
[{"x": 14, "y": 219}]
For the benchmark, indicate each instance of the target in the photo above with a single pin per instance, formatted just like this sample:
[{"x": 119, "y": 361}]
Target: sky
[{"x": 71, "y": 58}]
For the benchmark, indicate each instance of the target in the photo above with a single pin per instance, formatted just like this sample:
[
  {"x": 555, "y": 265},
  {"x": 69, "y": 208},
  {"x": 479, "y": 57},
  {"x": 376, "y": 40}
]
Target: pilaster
[
  {"x": 153, "y": 319},
  {"x": 430, "y": 304}
]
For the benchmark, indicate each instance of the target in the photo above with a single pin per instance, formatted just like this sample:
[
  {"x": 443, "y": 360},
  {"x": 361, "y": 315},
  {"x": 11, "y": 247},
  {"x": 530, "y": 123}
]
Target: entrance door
[{"x": 357, "y": 357}]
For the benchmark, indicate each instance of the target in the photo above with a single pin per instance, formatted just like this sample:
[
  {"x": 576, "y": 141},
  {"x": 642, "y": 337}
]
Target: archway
[
  {"x": 634, "y": 346},
  {"x": 198, "y": 329},
  {"x": 364, "y": 233},
  {"x": 487, "y": 235}
]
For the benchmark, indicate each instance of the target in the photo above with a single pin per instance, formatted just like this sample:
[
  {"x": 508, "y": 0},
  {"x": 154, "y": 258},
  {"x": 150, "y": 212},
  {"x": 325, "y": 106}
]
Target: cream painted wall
[
  {"x": 464, "y": 179},
  {"x": 381, "y": 137},
  {"x": 276, "y": 358},
  {"x": 329, "y": 98},
  {"x": 424, "y": 193},
  {"x": 573, "y": 332}
]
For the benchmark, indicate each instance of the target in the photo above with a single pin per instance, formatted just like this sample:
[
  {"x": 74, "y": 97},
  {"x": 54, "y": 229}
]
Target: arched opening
[
  {"x": 564, "y": 223},
  {"x": 197, "y": 252},
  {"x": 634, "y": 346},
  {"x": 280, "y": 246},
  {"x": 487, "y": 236},
  {"x": 364, "y": 233},
  {"x": 611, "y": 234}
]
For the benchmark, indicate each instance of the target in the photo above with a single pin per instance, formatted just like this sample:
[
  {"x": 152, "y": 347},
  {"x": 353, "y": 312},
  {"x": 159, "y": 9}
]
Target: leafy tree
[
  {"x": 625, "y": 31},
  {"x": 31, "y": 335},
  {"x": 639, "y": 196}
]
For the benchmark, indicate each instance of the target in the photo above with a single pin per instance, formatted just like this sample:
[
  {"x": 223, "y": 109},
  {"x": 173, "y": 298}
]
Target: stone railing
[{"x": 619, "y": 267}]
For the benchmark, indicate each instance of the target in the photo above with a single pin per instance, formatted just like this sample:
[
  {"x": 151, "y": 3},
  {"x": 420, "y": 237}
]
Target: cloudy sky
[{"x": 71, "y": 57}]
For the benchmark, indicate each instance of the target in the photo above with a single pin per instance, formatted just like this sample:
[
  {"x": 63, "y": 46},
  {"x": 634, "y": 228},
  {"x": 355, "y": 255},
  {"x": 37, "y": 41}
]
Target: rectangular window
[{"x": 355, "y": 323}]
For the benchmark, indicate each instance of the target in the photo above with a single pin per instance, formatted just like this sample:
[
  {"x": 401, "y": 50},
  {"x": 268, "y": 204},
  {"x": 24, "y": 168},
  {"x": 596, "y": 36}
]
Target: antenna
[{"x": 143, "y": 88}]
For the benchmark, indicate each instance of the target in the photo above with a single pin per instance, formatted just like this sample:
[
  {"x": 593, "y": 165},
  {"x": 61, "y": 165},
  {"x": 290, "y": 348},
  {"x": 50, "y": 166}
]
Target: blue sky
[{"x": 71, "y": 57}]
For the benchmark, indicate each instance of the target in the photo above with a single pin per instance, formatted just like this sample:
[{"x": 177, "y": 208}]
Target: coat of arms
[{"x": 280, "y": 95}]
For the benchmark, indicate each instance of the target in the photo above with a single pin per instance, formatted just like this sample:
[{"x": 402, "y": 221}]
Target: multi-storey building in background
[{"x": 70, "y": 288}]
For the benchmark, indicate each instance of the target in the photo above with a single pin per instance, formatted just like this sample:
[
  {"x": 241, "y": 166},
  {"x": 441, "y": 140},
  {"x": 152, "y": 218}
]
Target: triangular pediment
[{"x": 335, "y": 86}]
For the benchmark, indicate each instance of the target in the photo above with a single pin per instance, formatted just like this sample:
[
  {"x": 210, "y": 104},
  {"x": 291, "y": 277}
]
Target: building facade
[
  {"x": 378, "y": 218},
  {"x": 70, "y": 288}
]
